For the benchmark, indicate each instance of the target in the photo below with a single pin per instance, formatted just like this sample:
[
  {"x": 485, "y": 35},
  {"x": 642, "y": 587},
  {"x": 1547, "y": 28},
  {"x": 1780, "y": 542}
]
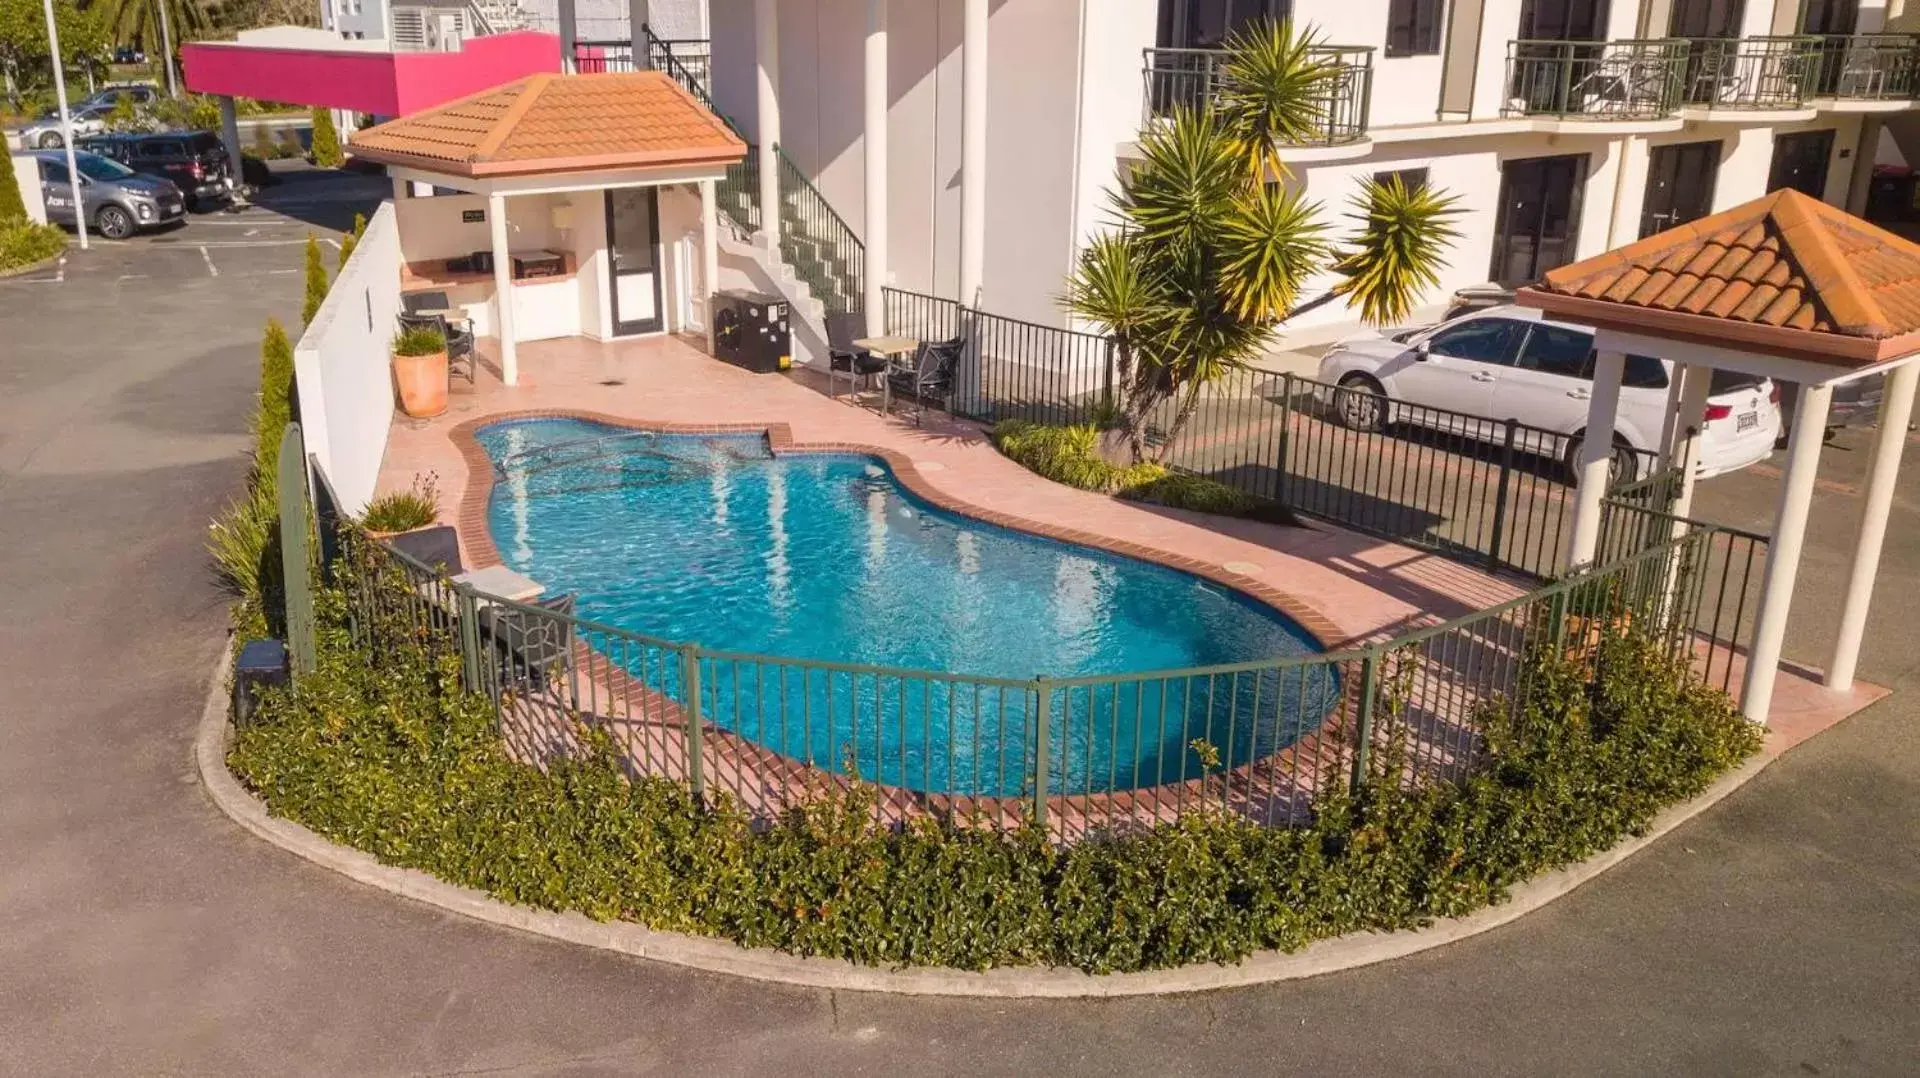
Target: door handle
[{"x": 1482, "y": 376}]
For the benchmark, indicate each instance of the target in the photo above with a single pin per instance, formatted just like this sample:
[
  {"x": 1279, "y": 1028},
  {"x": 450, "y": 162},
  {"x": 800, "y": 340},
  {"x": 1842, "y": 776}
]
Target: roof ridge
[
  {"x": 1848, "y": 303},
  {"x": 534, "y": 86},
  {"x": 1655, "y": 247}
]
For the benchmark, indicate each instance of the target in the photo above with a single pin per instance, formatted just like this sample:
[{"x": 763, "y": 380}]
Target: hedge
[
  {"x": 24, "y": 242},
  {"x": 1071, "y": 455},
  {"x": 382, "y": 750}
]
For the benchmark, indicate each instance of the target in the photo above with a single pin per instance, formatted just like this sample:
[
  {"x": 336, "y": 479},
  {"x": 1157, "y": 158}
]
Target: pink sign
[{"x": 382, "y": 83}]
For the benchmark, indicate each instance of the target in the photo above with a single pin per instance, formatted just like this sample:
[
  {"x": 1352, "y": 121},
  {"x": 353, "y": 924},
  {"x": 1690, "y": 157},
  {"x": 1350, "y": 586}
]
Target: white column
[
  {"x": 1783, "y": 551},
  {"x": 230, "y": 138},
  {"x": 874, "y": 140},
  {"x": 637, "y": 18},
  {"x": 709, "y": 253},
  {"x": 766, "y": 54},
  {"x": 1896, "y": 411},
  {"x": 1692, "y": 419},
  {"x": 1596, "y": 453},
  {"x": 1670, "y": 419},
  {"x": 66, "y": 123},
  {"x": 973, "y": 151},
  {"x": 399, "y": 192},
  {"x": 503, "y": 290},
  {"x": 569, "y": 35}
]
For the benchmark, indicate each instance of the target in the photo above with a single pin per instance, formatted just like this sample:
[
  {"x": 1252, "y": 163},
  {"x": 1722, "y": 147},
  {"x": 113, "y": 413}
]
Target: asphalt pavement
[{"x": 141, "y": 932}]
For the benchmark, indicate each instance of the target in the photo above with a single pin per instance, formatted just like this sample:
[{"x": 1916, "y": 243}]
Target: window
[
  {"x": 1413, "y": 179},
  {"x": 1644, "y": 372},
  {"x": 162, "y": 148},
  {"x": 1206, "y": 24},
  {"x": 1555, "y": 350},
  {"x": 1485, "y": 340},
  {"x": 51, "y": 172},
  {"x": 1413, "y": 27}
]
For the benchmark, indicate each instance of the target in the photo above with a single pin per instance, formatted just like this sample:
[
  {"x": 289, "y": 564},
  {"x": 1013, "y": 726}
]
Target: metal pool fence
[
  {"x": 1490, "y": 491},
  {"x": 1078, "y": 755}
]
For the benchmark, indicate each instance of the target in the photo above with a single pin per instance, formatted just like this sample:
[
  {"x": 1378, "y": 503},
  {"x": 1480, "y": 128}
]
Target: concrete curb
[
  {"x": 22, "y": 271},
  {"x": 721, "y": 956}
]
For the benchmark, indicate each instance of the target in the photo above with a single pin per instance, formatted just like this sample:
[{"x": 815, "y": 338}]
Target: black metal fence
[{"x": 1495, "y": 492}]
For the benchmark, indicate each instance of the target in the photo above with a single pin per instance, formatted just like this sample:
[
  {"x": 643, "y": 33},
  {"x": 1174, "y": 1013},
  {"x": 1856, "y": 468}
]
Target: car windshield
[{"x": 95, "y": 167}]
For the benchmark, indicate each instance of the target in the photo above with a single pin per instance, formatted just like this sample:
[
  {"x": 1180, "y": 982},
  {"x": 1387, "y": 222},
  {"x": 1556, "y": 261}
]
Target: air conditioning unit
[{"x": 752, "y": 330}]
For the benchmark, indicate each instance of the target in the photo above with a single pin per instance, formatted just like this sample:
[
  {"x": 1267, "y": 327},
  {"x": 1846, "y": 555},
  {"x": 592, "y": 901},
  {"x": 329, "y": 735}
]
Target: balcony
[
  {"x": 1751, "y": 74},
  {"x": 1596, "y": 80},
  {"x": 1867, "y": 68},
  {"x": 1190, "y": 77}
]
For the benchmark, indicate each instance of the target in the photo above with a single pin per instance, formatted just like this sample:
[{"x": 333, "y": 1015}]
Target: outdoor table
[{"x": 888, "y": 348}]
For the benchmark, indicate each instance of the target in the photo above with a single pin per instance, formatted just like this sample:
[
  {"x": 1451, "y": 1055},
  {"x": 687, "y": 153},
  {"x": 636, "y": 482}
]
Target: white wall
[
  {"x": 26, "y": 172},
  {"x": 342, "y": 365},
  {"x": 1406, "y": 89},
  {"x": 434, "y": 228}
]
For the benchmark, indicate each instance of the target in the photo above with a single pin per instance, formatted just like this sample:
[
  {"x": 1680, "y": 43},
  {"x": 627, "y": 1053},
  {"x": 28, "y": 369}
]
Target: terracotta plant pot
[{"x": 423, "y": 384}]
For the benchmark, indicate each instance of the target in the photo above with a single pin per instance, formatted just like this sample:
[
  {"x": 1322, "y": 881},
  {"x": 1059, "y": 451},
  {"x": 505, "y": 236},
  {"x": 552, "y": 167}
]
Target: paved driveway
[{"x": 142, "y": 933}]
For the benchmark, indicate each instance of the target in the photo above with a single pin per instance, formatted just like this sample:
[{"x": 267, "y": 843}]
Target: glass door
[
  {"x": 1800, "y": 162},
  {"x": 633, "y": 256},
  {"x": 1538, "y": 222},
  {"x": 1680, "y": 183}
]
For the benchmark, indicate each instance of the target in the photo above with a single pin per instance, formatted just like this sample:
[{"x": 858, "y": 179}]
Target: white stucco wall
[
  {"x": 1406, "y": 89},
  {"x": 342, "y": 365},
  {"x": 26, "y": 172}
]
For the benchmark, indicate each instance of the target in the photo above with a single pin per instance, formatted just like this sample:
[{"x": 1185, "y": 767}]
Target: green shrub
[
  {"x": 326, "y": 140},
  {"x": 1178, "y": 490},
  {"x": 381, "y": 749},
  {"x": 1071, "y": 455},
  {"x": 317, "y": 282},
  {"x": 419, "y": 341},
  {"x": 404, "y": 510},
  {"x": 24, "y": 242},
  {"x": 352, "y": 239},
  {"x": 12, "y": 207},
  {"x": 244, "y": 539}
]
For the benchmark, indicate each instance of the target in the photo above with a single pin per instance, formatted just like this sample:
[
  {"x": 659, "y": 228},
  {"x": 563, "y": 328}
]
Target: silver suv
[{"x": 118, "y": 200}]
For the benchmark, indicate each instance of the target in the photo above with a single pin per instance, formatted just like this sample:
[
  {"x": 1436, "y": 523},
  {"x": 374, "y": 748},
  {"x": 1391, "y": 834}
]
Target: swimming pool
[{"x": 826, "y": 559}]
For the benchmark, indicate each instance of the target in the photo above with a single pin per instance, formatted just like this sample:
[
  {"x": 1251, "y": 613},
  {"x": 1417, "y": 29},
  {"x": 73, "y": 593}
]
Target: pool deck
[{"x": 1343, "y": 587}]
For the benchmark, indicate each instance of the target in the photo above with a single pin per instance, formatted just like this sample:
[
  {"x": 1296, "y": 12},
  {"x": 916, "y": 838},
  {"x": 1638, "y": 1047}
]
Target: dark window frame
[
  {"x": 1415, "y": 27},
  {"x": 1414, "y": 178}
]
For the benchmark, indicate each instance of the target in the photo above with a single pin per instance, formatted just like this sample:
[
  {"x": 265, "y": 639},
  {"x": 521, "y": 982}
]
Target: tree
[
  {"x": 23, "y": 39},
  {"x": 352, "y": 239},
  {"x": 12, "y": 207},
  {"x": 128, "y": 21},
  {"x": 317, "y": 285},
  {"x": 326, "y": 140},
  {"x": 1214, "y": 246}
]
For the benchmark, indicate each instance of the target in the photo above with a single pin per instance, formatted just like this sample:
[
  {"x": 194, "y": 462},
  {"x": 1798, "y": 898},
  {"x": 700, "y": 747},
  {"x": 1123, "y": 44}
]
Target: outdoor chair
[
  {"x": 436, "y": 548},
  {"x": 531, "y": 646},
  {"x": 461, "y": 357},
  {"x": 842, "y": 355},
  {"x": 930, "y": 373}
]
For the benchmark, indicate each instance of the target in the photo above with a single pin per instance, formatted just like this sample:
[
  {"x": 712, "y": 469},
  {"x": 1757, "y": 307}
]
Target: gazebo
[
  {"x": 544, "y": 208},
  {"x": 1785, "y": 287}
]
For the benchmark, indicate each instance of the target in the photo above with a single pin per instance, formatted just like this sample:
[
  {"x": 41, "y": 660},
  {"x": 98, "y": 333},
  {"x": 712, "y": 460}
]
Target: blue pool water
[{"x": 824, "y": 557}]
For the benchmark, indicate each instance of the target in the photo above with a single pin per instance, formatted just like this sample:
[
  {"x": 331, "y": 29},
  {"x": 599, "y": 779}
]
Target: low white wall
[
  {"x": 343, "y": 370},
  {"x": 26, "y": 169}
]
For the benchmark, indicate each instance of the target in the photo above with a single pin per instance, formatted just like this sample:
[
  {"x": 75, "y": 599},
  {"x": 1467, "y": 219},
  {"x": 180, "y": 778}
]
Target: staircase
[{"x": 818, "y": 252}]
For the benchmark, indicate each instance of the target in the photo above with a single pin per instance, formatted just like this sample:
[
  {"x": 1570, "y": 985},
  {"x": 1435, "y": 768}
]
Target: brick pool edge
[{"x": 721, "y": 956}]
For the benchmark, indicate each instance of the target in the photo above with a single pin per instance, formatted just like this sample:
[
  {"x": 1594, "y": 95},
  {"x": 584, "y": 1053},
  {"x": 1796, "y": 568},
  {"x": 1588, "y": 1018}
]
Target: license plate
[{"x": 1746, "y": 421}]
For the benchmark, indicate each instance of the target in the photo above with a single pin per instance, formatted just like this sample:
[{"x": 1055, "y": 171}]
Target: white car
[
  {"x": 1470, "y": 375},
  {"x": 45, "y": 133}
]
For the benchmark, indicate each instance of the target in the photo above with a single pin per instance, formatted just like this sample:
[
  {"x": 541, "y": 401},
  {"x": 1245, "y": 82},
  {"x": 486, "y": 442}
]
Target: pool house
[{"x": 557, "y": 206}]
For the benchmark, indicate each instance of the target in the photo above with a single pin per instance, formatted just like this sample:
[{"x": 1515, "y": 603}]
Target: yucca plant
[{"x": 1211, "y": 253}]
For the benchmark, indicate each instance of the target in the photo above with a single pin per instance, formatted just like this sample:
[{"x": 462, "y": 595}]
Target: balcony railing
[
  {"x": 1751, "y": 72},
  {"x": 1596, "y": 80},
  {"x": 1867, "y": 67},
  {"x": 692, "y": 56},
  {"x": 1191, "y": 77}
]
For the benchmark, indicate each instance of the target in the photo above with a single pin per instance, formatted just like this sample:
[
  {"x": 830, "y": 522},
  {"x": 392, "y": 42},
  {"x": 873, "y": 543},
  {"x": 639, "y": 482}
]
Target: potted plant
[
  {"x": 420, "y": 370},
  {"x": 404, "y": 510}
]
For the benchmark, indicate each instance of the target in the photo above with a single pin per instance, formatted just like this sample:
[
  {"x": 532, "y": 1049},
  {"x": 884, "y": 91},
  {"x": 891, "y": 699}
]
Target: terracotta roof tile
[
  {"x": 557, "y": 123},
  {"x": 1785, "y": 260}
]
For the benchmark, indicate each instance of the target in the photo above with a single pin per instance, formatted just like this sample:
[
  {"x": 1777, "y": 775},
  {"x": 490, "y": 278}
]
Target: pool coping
[
  {"x": 1307, "y": 759},
  {"x": 717, "y": 955}
]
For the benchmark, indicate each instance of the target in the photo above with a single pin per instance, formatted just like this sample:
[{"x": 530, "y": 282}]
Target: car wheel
[
  {"x": 113, "y": 222},
  {"x": 1360, "y": 403},
  {"x": 50, "y": 140},
  {"x": 1622, "y": 467}
]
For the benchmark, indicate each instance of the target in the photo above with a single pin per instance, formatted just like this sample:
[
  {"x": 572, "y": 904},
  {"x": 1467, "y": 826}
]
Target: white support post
[
  {"x": 66, "y": 126},
  {"x": 637, "y": 18},
  {"x": 1896, "y": 411},
  {"x": 1783, "y": 551},
  {"x": 569, "y": 35},
  {"x": 503, "y": 290},
  {"x": 1692, "y": 419},
  {"x": 1670, "y": 419},
  {"x": 874, "y": 141},
  {"x": 230, "y": 138},
  {"x": 766, "y": 54},
  {"x": 1596, "y": 457},
  {"x": 709, "y": 252},
  {"x": 973, "y": 151},
  {"x": 399, "y": 192}
]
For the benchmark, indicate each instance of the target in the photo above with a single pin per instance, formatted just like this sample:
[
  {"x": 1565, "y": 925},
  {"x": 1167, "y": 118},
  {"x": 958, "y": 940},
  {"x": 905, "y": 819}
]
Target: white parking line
[
  {"x": 134, "y": 276},
  {"x": 59, "y": 275},
  {"x": 212, "y": 270}
]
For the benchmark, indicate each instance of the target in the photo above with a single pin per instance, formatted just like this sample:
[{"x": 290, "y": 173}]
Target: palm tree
[
  {"x": 1212, "y": 250},
  {"x": 128, "y": 21}
]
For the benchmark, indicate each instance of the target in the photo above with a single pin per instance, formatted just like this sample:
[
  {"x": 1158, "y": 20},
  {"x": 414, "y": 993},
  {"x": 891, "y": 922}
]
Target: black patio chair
[
  {"x": 436, "y": 548},
  {"x": 461, "y": 357},
  {"x": 930, "y": 373},
  {"x": 531, "y": 646},
  {"x": 842, "y": 355}
]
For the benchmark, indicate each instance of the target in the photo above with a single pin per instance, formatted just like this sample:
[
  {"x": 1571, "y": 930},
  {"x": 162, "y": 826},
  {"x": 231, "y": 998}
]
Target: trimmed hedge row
[{"x": 380, "y": 749}]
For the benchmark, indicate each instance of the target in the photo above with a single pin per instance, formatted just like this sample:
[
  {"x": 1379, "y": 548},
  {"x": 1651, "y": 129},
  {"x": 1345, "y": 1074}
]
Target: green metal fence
[
  {"x": 1772, "y": 72},
  {"x": 1598, "y": 80},
  {"x": 817, "y": 243},
  {"x": 1082, "y": 755},
  {"x": 1341, "y": 98}
]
